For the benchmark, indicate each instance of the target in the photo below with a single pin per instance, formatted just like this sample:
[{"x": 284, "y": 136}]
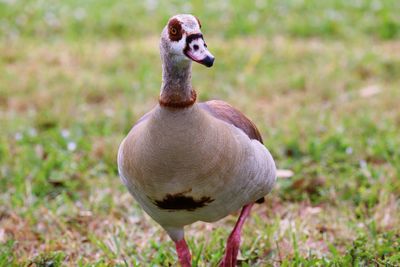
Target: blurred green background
[
  {"x": 116, "y": 19},
  {"x": 320, "y": 79}
]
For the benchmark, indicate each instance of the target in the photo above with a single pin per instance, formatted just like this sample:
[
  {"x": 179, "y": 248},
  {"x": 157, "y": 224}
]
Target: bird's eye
[{"x": 173, "y": 31}]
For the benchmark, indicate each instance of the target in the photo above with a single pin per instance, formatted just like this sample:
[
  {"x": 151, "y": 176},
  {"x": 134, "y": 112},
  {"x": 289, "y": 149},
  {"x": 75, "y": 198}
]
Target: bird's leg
[
  {"x": 232, "y": 246},
  {"x": 182, "y": 249}
]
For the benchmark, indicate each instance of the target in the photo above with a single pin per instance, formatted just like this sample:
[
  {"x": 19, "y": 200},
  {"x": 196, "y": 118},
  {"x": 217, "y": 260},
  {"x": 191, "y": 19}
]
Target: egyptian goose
[{"x": 185, "y": 161}]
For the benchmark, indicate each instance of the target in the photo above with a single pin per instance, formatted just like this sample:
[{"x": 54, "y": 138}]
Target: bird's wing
[{"x": 225, "y": 112}]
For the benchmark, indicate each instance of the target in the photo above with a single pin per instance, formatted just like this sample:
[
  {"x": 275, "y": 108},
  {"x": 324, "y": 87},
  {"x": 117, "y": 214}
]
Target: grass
[{"x": 320, "y": 79}]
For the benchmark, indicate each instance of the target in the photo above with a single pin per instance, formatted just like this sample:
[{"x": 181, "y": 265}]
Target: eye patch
[{"x": 174, "y": 30}]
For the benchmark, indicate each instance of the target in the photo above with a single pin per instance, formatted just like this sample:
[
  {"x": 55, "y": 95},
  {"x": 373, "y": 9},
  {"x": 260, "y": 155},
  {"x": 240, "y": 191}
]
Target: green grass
[{"x": 320, "y": 79}]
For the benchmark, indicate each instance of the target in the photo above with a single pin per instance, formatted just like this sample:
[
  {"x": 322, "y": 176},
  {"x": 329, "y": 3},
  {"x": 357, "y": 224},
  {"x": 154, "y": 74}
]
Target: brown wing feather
[{"x": 223, "y": 111}]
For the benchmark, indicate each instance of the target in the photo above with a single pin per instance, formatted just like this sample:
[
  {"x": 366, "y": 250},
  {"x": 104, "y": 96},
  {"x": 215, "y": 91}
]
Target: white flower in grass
[
  {"x": 65, "y": 133},
  {"x": 71, "y": 146},
  {"x": 18, "y": 136},
  {"x": 363, "y": 164}
]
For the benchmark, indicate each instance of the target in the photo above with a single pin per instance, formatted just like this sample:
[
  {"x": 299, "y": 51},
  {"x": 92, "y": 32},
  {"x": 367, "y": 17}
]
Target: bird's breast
[
  {"x": 188, "y": 163},
  {"x": 181, "y": 154}
]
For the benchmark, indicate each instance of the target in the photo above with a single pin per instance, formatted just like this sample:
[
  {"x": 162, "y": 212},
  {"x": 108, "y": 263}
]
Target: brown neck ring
[{"x": 179, "y": 104}]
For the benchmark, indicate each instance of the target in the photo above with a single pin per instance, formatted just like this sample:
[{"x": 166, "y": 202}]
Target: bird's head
[{"x": 182, "y": 40}]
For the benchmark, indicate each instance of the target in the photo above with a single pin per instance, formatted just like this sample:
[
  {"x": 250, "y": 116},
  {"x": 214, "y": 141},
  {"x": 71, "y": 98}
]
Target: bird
[{"x": 185, "y": 161}]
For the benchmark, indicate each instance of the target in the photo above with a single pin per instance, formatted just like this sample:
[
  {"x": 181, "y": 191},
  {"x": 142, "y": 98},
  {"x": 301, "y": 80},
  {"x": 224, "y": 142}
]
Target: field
[{"x": 321, "y": 79}]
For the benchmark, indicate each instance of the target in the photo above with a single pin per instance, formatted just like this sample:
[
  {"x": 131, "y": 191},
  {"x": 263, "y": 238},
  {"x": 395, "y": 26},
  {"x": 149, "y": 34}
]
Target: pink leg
[
  {"x": 185, "y": 259},
  {"x": 232, "y": 246}
]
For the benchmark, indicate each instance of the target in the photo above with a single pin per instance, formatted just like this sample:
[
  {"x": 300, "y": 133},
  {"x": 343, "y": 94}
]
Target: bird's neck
[{"x": 176, "y": 88}]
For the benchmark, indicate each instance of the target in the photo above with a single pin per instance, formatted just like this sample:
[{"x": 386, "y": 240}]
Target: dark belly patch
[{"x": 181, "y": 202}]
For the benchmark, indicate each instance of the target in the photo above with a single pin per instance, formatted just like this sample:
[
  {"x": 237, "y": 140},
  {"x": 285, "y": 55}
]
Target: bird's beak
[{"x": 196, "y": 50}]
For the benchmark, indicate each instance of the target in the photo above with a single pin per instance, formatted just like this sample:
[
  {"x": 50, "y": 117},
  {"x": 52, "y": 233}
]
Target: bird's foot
[{"x": 182, "y": 249}]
